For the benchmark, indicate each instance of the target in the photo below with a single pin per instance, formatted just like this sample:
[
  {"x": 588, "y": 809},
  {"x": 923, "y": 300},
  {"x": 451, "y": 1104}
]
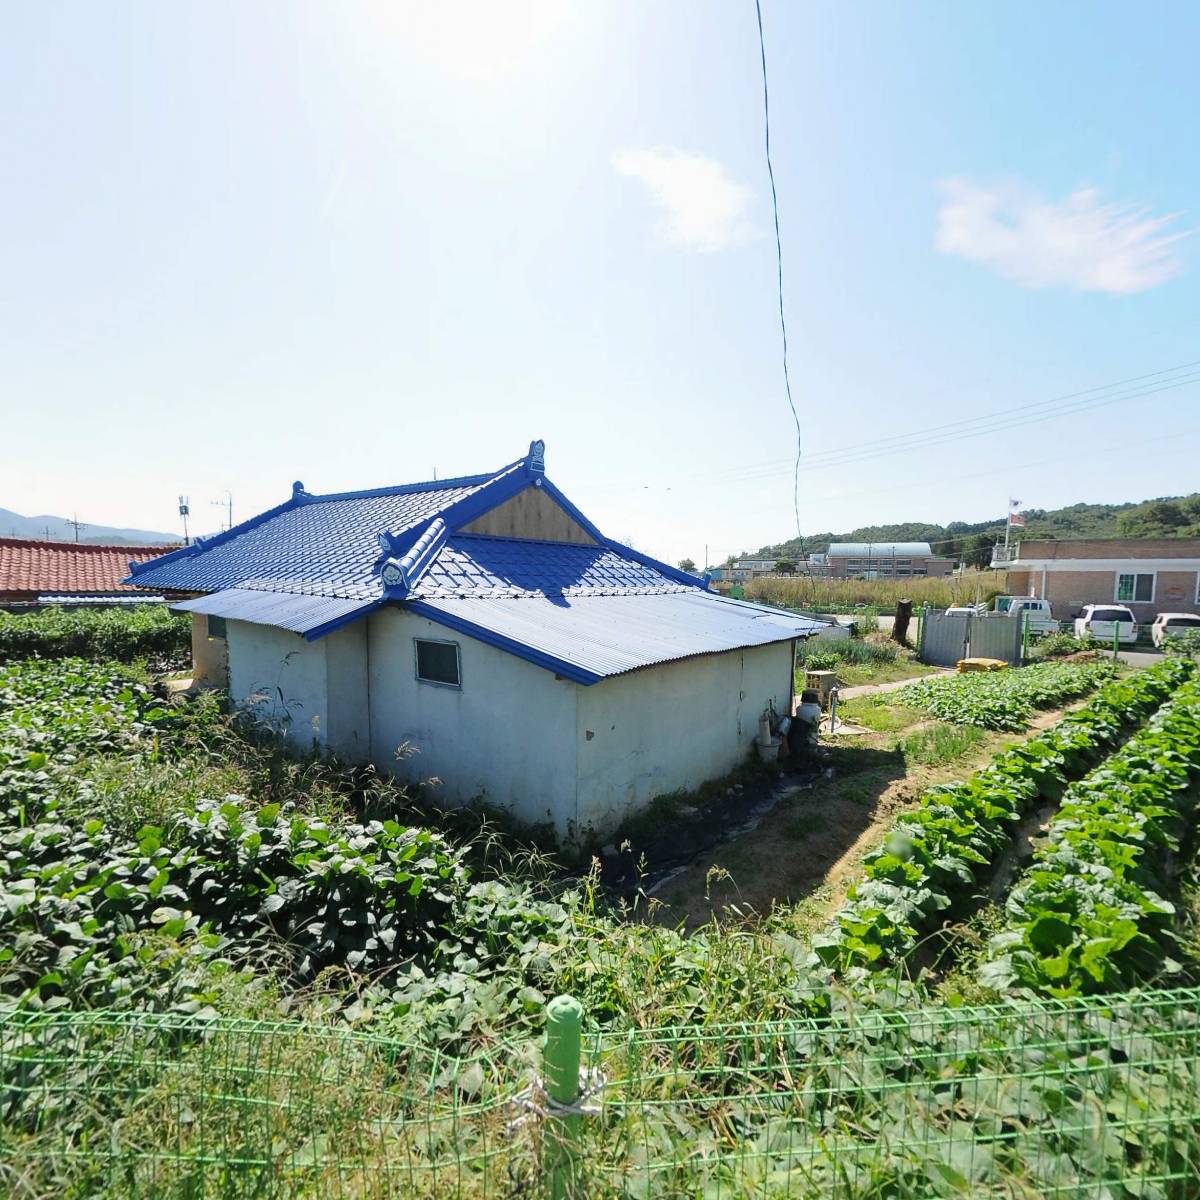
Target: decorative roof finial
[
  {"x": 537, "y": 457},
  {"x": 298, "y": 490}
]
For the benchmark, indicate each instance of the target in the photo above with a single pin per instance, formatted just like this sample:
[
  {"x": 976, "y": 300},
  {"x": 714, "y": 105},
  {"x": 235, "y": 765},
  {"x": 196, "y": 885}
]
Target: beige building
[
  {"x": 1149, "y": 575},
  {"x": 885, "y": 560}
]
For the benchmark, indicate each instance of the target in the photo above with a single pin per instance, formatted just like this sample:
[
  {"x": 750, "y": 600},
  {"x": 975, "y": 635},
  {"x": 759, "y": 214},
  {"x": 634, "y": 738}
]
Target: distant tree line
[{"x": 971, "y": 544}]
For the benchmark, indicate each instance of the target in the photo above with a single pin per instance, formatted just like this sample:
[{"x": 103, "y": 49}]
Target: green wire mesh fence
[{"x": 1095, "y": 1098}]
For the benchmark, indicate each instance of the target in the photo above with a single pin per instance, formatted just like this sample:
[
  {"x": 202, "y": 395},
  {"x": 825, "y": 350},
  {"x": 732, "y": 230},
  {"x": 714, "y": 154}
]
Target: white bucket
[{"x": 768, "y": 751}]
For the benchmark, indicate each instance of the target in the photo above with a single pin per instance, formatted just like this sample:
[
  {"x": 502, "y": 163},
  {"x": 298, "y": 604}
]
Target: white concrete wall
[
  {"x": 282, "y": 678},
  {"x": 507, "y": 736},
  {"x": 513, "y": 735},
  {"x": 673, "y": 727},
  {"x": 349, "y": 729}
]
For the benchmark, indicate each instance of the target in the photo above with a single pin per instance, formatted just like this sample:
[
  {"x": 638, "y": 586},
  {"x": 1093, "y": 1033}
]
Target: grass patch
[
  {"x": 880, "y": 713},
  {"x": 804, "y": 823},
  {"x": 940, "y": 744}
]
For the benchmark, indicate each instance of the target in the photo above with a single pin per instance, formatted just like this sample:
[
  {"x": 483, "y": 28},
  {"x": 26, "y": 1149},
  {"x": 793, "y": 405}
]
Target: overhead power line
[
  {"x": 1130, "y": 388},
  {"x": 787, "y": 382},
  {"x": 967, "y": 422},
  {"x": 998, "y": 423}
]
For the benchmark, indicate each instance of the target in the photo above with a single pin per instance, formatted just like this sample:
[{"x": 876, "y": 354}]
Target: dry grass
[{"x": 801, "y": 591}]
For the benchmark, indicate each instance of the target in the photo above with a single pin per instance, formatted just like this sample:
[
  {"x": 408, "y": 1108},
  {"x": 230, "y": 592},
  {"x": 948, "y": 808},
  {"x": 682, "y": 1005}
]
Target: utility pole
[
  {"x": 76, "y": 524},
  {"x": 184, "y": 512}
]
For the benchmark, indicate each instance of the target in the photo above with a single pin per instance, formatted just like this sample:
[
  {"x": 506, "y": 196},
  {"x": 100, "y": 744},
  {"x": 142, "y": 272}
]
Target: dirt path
[
  {"x": 868, "y": 689},
  {"x": 808, "y": 851}
]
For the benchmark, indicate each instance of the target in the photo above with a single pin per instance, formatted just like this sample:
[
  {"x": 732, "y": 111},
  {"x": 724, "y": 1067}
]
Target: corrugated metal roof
[
  {"x": 495, "y": 566},
  {"x": 589, "y": 638},
  {"x": 309, "y": 615},
  {"x": 880, "y": 550}
]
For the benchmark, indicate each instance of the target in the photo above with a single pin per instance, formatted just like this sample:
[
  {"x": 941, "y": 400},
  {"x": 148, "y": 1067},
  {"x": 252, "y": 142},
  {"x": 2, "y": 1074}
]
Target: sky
[{"x": 366, "y": 243}]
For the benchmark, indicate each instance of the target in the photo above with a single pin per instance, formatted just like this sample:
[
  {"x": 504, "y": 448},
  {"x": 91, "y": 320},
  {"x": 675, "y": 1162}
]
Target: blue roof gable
[{"x": 584, "y": 610}]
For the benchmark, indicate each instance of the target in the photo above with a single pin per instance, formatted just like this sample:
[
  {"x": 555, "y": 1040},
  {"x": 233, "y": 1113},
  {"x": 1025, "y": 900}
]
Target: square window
[
  {"x": 216, "y": 627},
  {"x": 437, "y": 662},
  {"x": 1135, "y": 588}
]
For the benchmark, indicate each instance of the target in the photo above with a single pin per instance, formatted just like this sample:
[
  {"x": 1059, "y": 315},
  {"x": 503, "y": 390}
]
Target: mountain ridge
[
  {"x": 971, "y": 543},
  {"x": 59, "y": 529}
]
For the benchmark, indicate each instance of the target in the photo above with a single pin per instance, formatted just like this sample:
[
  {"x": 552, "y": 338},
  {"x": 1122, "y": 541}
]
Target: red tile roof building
[{"x": 30, "y": 569}]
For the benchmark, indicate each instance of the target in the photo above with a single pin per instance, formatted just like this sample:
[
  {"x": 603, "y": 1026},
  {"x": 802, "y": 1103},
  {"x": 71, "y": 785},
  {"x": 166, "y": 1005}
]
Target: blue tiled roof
[
  {"x": 492, "y": 566},
  {"x": 319, "y": 545},
  {"x": 589, "y": 638}
]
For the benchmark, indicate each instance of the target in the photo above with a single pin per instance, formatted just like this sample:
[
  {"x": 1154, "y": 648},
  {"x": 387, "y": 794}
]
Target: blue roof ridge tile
[{"x": 404, "y": 489}]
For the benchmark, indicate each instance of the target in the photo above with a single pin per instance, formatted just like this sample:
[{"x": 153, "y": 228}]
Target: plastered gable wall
[
  {"x": 673, "y": 727},
  {"x": 348, "y": 693},
  {"x": 282, "y": 678},
  {"x": 507, "y": 736}
]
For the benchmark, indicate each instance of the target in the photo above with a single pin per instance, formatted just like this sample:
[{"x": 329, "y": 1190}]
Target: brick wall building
[{"x": 1149, "y": 575}]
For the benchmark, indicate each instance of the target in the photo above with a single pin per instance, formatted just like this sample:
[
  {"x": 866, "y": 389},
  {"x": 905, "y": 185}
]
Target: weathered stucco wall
[
  {"x": 282, "y": 678},
  {"x": 673, "y": 727},
  {"x": 349, "y": 714},
  {"x": 506, "y": 736},
  {"x": 513, "y": 735},
  {"x": 210, "y": 660}
]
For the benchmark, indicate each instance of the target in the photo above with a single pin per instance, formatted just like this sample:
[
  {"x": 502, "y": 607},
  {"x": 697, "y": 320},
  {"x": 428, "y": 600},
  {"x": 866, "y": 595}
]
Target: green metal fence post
[
  {"x": 1116, "y": 638},
  {"x": 1025, "y": 635},
  {"x": 560, "y": 1064}
]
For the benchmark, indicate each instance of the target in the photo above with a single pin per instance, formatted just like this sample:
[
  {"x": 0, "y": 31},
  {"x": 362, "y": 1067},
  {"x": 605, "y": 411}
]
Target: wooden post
[{"x": 900, "y": 624}]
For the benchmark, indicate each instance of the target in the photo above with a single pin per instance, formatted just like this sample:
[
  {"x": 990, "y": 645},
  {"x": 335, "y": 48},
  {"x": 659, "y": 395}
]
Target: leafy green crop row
[
  {"x": 1003, "y": 699},
  {"x": 930, "y": 865},
  {"x": 120, "y": 635},
  {"x": 76, "y": 903},
  {"x": 1092, "y": 912}
]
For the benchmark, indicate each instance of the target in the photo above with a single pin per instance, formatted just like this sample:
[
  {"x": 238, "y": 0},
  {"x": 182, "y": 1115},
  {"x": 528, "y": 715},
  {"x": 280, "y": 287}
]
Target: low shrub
[
  {"x": 1057, "y": 645},
  {"x": 828, "y": 655},
  {"x": 151, "y": 632},
  {"x": 1182, "y": 645}
]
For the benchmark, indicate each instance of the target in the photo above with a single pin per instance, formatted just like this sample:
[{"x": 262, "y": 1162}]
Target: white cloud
[
  {"x": 701, "y": 207},
  {"x": 1077, "y": 243}
]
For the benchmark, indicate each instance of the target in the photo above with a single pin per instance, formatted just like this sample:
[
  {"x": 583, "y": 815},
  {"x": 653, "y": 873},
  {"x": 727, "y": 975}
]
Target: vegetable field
[
  {"x": 1003, "y": 699},
  {"x": 123, "y": 635},
  {"x": 227, "y": 971}
]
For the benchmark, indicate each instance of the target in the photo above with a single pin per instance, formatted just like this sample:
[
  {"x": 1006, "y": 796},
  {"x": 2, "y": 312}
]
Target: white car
[
  {"x": 1166, "y": 624},
  {"x": 1036, "y": 612},
  {"x": 1101, "y": 621},
  {"x": 961, "y": 611}
]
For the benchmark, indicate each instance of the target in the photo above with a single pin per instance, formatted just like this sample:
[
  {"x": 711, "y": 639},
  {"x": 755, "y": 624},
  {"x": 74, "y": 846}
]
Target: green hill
[{"x": 1167, "y": 516}]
